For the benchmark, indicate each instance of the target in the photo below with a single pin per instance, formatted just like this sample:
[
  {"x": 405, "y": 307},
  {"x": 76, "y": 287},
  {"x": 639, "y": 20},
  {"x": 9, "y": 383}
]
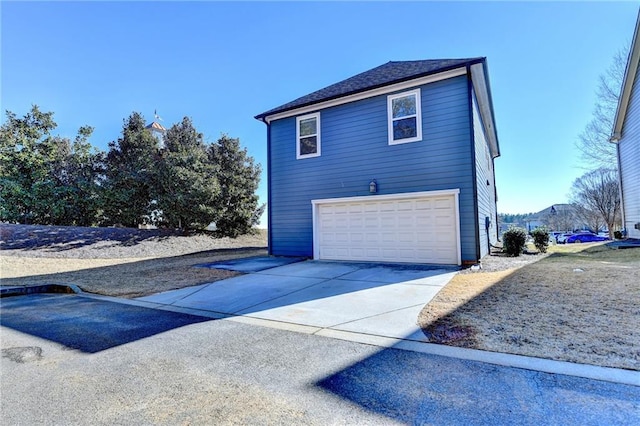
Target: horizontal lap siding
[
  {"x": 355, "y": 150},
  {"x": 629, "y": 147},
  {"x": 486, "y": 193}
]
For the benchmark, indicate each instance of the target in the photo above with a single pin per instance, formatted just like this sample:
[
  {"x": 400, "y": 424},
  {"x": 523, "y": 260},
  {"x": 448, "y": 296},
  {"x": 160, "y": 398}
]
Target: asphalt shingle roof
[{"x": 389, "y": 73}]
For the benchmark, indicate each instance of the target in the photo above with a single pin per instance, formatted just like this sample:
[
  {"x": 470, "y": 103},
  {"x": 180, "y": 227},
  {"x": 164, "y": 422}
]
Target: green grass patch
[{"x": 598, "y": 252}]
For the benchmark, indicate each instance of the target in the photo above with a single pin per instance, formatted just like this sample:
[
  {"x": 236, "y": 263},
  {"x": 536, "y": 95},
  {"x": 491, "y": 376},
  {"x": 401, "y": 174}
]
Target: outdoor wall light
[{"x": 373, "y": 186}]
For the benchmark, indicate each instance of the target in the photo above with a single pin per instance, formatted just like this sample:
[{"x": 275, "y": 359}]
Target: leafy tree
[
  {"x": 596, "y": 198},
  {"x": 22, "y": 163},
  {"x": 47, "y": 179},
  {"x": 593, "y": 142},
  {"x": 239, "y": 178},
  {"x": 186, "y": 185},
  {"x": 80, "y": 176},
  {"x": 130, "y": 172}
]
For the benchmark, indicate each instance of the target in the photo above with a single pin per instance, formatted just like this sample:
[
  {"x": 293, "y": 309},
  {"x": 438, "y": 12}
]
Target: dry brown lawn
[
  {"x": 126, "y": 277},
  {"x": 579, "y": 304},
  {"x": 117, "y": 262}
]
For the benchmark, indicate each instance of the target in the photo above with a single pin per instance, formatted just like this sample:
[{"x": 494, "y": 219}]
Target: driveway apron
[{"x": 382, "y": 300}]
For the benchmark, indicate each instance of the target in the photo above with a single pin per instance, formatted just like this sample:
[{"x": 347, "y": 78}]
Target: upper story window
[
  {"x": 308, "y": 136},
  {"x": 404, "y": 117}
]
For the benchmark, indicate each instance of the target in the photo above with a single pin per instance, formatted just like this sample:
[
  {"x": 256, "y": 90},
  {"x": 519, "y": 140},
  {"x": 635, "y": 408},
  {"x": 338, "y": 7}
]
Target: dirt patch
[
  {"x": 579, "y": 304},
  {"x": 117, "y": 262}
]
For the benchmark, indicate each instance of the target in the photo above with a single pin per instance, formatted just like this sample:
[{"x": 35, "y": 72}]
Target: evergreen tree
[
  {"x": 46, "y": 179},
  {"x": 186, "y": 185},
  {"x": 130, "y": 172},
  {"x": 22, "y": 165},
  {"x": 239, "y": 178}
]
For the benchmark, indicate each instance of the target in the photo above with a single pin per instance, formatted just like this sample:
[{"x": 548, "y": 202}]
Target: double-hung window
[
  {"x": 308, "y": 136},
  {"x": 404, "y": 117}
]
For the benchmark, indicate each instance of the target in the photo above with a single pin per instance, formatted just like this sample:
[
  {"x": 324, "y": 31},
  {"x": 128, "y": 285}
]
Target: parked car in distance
[
  {"x": 553, "y": 236},
  {"x": 585, "y": 237},
  {"x": 562, "y": 238}
]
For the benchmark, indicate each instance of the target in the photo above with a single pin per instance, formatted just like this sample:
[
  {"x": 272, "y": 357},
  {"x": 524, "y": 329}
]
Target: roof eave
[
  {"x": 627, "y": 84},
  {"x": 263, "y": 117},
  {"x": 480, "y": 80}
]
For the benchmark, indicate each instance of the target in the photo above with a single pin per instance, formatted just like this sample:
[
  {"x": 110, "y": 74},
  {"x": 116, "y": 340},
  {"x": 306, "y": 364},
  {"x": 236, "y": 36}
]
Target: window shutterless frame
[
  {"x": 404, "y": 117},
  {"x": 308, "y": 140}
]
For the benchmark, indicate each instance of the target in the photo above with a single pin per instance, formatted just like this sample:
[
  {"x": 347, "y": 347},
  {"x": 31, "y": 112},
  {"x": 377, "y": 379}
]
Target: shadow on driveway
[
  {"x": 412, "y": 388},
  {"x": 87, "y": 324}
]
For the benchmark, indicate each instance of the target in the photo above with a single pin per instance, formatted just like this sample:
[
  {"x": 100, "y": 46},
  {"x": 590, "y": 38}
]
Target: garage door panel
[
  {"x": 424, "y": 205},
  {"x": 443, "y": 203},
  {"x": 419, "y": 230},
  {"x": 405, "y": 206}
]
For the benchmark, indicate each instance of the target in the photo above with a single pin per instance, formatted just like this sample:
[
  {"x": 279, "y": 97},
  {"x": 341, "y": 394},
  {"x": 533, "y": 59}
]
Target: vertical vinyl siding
[
  {"x": 355, "y": 150},
  {"x": 629, "y": 150},
  {"x": 486, "y": 193}
]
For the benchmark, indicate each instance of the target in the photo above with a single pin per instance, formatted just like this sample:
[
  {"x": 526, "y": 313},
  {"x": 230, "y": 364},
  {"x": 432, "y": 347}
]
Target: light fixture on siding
[{"x": 373, "y": 186}]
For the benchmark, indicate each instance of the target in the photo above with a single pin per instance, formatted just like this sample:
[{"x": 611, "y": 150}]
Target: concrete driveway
[
  {"x": 83, "y": 359},
  {"x": 359, "y": 298},
  {"x": 157, "y": 367}
]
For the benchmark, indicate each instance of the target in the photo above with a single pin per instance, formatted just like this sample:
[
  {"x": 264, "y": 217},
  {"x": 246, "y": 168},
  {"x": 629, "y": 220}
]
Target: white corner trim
[
  {"x": 369, "y": 94},
  {"x": 315, "y": 206}
]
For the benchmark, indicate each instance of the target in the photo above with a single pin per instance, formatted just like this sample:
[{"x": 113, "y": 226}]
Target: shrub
[
  {"x": 617, "y": 235},
  {"x": 514, "y": 240},
  {"x": 541, "y": 239}
]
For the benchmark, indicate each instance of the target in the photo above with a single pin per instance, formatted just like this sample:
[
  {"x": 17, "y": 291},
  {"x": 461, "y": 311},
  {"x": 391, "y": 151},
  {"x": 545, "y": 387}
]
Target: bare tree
[
  {"x": 596, "y": 198},
  {"x": 562, "y": 218},
  {"x": 595, "y": 149}
]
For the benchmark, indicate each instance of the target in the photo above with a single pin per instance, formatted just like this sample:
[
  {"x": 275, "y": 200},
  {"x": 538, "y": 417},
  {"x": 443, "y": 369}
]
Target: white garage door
[{"x": 406, "y": 228}]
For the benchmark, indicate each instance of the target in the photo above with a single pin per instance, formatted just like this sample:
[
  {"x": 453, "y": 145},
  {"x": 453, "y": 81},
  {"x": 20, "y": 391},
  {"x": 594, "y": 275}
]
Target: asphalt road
[{"x": 156, "y": 367}]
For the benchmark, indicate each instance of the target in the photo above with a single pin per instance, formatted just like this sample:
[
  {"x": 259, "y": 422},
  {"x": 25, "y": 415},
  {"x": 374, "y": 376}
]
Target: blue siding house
[
  {"x": 626, "y": 135},
  {"x": 395, "y": 164}
]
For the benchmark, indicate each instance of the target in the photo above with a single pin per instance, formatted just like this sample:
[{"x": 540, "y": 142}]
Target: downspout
[
  {"x": 472, "y": 139},
  {"x": 624, "y": 224},
  {"x": 269, "y": 216},
  {"x": 495, "y": 198}
]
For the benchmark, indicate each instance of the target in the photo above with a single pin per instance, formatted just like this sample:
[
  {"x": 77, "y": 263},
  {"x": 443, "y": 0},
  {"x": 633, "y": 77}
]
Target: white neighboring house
[{"x": 626, "y": 135}]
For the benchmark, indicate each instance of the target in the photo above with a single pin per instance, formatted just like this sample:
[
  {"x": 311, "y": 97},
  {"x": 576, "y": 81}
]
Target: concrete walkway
[{"x": 380, "y": 300}]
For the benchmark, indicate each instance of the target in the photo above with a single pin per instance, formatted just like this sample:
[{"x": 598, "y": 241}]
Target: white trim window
[
  {"x": 308, "y": 136},
  {"x": 404, "y": 117}
]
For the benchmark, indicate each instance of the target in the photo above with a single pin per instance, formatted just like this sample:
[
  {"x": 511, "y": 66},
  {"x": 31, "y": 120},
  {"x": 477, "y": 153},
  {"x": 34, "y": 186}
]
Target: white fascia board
[
  {"x": 627, "y": 84},
  {"x": 368, "y": 94},
  {"x": 400, "y": 196},
  {"x": 482, "y": 95}
]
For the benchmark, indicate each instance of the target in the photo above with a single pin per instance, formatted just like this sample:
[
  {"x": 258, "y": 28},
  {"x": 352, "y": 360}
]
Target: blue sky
[{"x": 93, "y": 63}]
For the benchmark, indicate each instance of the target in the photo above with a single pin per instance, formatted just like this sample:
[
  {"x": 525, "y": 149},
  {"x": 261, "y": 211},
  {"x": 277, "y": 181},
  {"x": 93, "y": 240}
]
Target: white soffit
[
  {"x": 627, "y": 84},
  {"x": 484, "y": 103}
]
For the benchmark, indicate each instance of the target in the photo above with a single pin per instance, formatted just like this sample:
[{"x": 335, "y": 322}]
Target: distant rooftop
[{"x": 156, "y": 126}]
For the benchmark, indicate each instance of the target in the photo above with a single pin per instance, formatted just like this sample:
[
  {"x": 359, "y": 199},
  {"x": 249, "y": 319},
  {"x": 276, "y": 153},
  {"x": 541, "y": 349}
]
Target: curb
[
  {"x": 593, "y": 372},
  {"x": 37, "y": 289}
]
